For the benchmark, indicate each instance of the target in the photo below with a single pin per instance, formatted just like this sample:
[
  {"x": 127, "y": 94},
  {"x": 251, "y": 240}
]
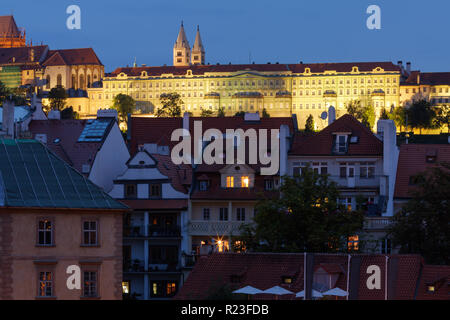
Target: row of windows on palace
[
  {"x": 253, "y": 83},
  {"x": 425, "y": 90},
  {"x": 46, "y": 238},
  {"x": 74, "y": 81}
]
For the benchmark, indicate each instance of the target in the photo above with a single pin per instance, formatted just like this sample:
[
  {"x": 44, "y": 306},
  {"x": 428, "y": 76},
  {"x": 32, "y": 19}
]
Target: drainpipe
[
  {"x": 385, "y": 279},
  {"x": 348, "y": 275}
]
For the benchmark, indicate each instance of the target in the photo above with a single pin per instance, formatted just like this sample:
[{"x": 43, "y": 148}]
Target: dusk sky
[{"x": 236, "y": 30}]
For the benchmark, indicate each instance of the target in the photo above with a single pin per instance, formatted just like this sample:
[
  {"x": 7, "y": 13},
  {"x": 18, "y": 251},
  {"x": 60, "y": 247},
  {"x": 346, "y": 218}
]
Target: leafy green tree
[
  {"x": 57, "y": 98},
  {"x": 304, "y": 216},
  {"x": 170, "y": 105},
  {"x": 68, "y": 113},
  {"x": 265, "y": 114},
  {"x": 423, "y": 224},
  {"x": 124, "y": 104},
  {"x": 398, "y": 115},
  {"x": 363, "y": 113},
  {"x": 206, "y": 113},
  {"x": 221, "y": 112},
  {"x": 443, "y": 117},
  {"x": 384, "y": 114},
  {"x": 421, "y": 115},
  {"x": 309, "y": 125}
]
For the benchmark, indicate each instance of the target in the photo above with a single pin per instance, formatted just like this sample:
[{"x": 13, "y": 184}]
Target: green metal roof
[{"x": 32, "y": 176}]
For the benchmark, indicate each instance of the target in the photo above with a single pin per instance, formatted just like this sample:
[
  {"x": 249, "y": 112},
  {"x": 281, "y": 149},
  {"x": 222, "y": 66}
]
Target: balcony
[
  {"x": 152, "y": 232},
  {"x": 215, "y": 227},
  {"x": 164, "y": 232},
  {"x": 377, "y": 223},
  {"x": 357, "y": 181},
  {"x": 138, "y": 266}
]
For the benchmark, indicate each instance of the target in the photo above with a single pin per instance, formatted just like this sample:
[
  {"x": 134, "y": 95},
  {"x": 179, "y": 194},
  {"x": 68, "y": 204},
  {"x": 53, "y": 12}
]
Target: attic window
[
  {"x": 203, "y": 185},
  {"x": 354, "y": 139},
  {"x": 142, "y": 162},
  {"x": 286, "y": 279},
  {"x": 431, "y": 288}
]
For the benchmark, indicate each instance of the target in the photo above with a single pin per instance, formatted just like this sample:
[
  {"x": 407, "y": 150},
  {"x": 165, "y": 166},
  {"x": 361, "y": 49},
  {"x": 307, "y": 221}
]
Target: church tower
[
  {"x": 198, "y": 51},
  {"x": 181, "y": 49}
]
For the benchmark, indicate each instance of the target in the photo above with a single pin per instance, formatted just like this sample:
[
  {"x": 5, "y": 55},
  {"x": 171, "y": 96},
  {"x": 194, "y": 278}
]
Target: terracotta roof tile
[
  {"x": 412, "y": 161},
  {"x": 82, "y": 56},
  {"x": 321, "y": 143}
]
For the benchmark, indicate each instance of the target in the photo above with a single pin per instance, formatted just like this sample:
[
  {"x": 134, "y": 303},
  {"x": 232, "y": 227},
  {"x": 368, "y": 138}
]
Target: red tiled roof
[
  {"x": 265, "y": 270},
  {"x": 154, "y": 130},
  {"x": 427, "y": 78},
  {"x": 22, "y": 55},
  {"x": 166, "y": 204},
  {"x": 83, "y": 56},
  {"x": 291, "y": 68},
  {"x": 437, "y": 276},
  {"x": 412, "y": 161},
  {"x": 180, "y": 175},
  {"x": 68, "y": 149},
  {"x": 8, "y": 27},
  {"x": 321, "y": 143}
]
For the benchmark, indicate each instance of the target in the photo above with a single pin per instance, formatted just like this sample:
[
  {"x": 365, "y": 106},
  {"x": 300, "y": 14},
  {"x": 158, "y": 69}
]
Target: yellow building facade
[{"x": 282, "y": 89}]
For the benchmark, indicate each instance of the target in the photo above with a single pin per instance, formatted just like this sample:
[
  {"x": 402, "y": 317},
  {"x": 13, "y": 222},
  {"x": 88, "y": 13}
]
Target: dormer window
[
  {"x": 130, "y": 191},
  {"x": 286, "y": 279},
  {"x": 230, "y": 182},
  {"x": 203, "y": 185},
  {"x": 245, "y": 181},
  {"x": 341, "y": 143},
  {"x": 155, "y": 190}
]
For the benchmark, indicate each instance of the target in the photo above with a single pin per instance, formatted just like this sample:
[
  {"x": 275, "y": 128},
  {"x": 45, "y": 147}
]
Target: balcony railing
[
  {"x": 357, "y": 181},
  {"x": 215, "y": 227},
  {"x": 170, "y": 231},
  {"x": 377, "y": 223},
  {"x": 138, "y": 266},
  {"x": 152, "y": 231}
]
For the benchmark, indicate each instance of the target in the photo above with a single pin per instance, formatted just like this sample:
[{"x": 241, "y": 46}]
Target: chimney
[
  {"x": 8, "y": 118},
  {"x": 400, "y": 64},
  {"x": 418, "y": 78},
  {"x": 408, "y": 67},
  {"x": 331, "y": 115},
  {"x": 186, "y": 121}
]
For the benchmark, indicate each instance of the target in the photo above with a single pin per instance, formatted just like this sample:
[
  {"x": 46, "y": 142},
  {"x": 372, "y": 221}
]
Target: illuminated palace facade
[{"x": 282, "y": 89}]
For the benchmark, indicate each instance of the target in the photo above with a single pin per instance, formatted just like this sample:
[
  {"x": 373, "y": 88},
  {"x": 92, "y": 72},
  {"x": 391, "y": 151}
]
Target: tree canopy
[
  {"x": 423, "y": 224},
  {"x": 206, "y": 113},
  {"x": 364, "y": 113},
  {"x": 305, "y": 216},
  {"x": 124, "y": 104},
  {"x": 265, "y": 114},
  {"x": 170, "y": 105},
  {"x": 443, "y": 117},
  {"x": 421, "y": 115},
  {"x": 57, "y": 98},
  {"x": 221, "y": 112},
  {"x": 309, "y": 125}
]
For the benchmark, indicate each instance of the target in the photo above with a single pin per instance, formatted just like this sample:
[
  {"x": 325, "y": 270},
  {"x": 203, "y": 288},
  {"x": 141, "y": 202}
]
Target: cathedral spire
[
  {"x": 198, "y": 51},
  {"x": 181, "y": 49}
]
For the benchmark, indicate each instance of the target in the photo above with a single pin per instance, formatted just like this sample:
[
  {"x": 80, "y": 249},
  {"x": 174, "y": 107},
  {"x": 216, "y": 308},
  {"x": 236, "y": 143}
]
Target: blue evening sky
[{"x": 232, "y": 30}]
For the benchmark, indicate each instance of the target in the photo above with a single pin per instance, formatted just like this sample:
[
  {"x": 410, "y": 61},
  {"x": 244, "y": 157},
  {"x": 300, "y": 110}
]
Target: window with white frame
[
  {"x": 45, "y": 232},
  {"x": 320, "y": 167},
  {"x": 90, "y": 233},
  {"x": 223, "y": 214},
  {"x": 367, "y": 169},
  {"x": 346, "y": 202},
  {"x": 240, "y": 214},
  {"x": 45, "y": 285},
  {"x": 90, "y": 284},
  {"x": 206, "y": 214}
]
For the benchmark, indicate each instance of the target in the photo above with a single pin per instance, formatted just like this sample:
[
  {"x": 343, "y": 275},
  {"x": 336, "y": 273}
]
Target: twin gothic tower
[{"x": 182, "y": 53}]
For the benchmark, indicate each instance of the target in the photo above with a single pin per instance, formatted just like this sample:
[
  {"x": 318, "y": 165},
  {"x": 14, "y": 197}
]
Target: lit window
[
  {"x": 431, "y": 288},
  {"x": 125, "y": 286},
  {"x": 245, "y": 182},
  {"x": 230, "y": 182},
  {"x": 45, "y": 232},
  {"x": 353, "y": 242},
  {"x": 45, "y": 284}
]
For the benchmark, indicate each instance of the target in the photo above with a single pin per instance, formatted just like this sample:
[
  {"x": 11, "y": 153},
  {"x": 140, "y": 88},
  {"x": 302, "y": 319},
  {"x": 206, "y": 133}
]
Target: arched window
[
  {"x": 48, "y": 82},
  {"x": 74, "y": 81},
  {"x": 82, "y": 82},
  {"x": 59, "y": 80},
  {"x": 89, "y": 81}
]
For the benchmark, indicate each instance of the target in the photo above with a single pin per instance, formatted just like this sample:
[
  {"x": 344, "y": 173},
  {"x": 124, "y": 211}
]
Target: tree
[
  {"x": 384, "y": 115},
  {"x": 221, "y": 112},
  {"x": 304, "y": 216},
  {"x": 206, "y": 113},
  {"x": 398, "y": 115},
  {"x": 171, "y": 105},
  {"x": 265, "y": 114},
  {"x": 364, "y": 113},
  {"x": 421, "y": 115},
  {"x": 4, "y": 92},
  {"x": 57, "y": 98},
  {"x": 423, "y": 224},
  {"x": 309, "y": 125},
  {"x": 68, "y": 113},
  {"x": 443, "y": 117},
  {"x": 239, "y": 114},
  {"x": 124, "y": 104}
]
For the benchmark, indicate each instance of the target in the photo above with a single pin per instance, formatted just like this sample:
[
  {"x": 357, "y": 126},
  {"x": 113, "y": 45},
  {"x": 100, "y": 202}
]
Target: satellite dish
[{"x": 324, "y": 115}]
